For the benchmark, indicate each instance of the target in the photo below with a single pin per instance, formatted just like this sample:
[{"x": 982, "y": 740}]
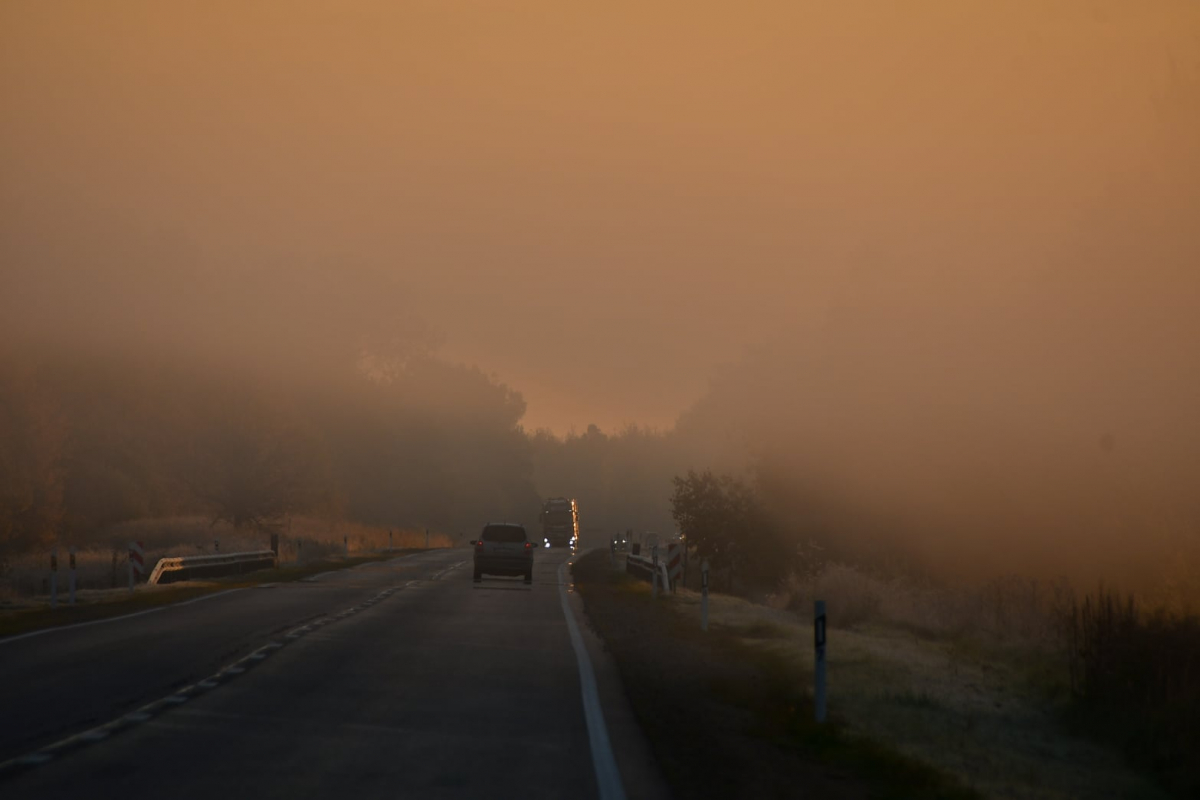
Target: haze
[{"x": 907, "y": 240}]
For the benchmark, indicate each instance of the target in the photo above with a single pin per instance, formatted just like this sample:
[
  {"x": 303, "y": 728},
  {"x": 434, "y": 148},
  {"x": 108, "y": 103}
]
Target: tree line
[{"x": 87, "y": 444}]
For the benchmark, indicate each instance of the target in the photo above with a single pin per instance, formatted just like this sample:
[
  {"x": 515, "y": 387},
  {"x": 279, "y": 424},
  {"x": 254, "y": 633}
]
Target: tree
[
  {"x": 252, "y": 468},
  {"x": 32, "y": 435},
  {"x": 723, "y": 518}
]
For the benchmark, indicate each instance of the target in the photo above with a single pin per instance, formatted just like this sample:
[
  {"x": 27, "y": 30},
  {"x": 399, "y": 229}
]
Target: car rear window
[{"x": 503, "y": 533}]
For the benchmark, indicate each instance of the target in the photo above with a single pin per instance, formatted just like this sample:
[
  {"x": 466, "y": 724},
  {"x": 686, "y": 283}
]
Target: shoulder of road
[{"x": 727, "y": 720}]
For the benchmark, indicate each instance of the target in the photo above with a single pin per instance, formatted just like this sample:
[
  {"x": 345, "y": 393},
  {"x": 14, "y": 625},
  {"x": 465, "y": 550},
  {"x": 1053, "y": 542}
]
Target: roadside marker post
[
  {"x": 71, "y": 574},
  {"x": 54, "y": 578},
  {"x": 389, "y": 540},
  {"x": 654, "y": 577},
  {"x": 427, "y": 538},
  {"x": 704, "y": 595},
  {"x": 819, "y": 642},
  {"x": 216, "y": 545},
  {"x": 345, "y": 545}
]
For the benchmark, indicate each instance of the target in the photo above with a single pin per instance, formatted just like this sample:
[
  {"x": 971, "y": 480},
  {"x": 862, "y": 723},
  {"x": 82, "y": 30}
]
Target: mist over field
[{"x": 930, "y": 272}]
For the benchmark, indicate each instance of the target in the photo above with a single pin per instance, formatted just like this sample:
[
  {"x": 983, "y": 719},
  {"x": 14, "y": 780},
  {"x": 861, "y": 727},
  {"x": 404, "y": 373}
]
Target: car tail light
[
  {"x": 479, "y": 545},
  {"x": 528, "y": 546}
]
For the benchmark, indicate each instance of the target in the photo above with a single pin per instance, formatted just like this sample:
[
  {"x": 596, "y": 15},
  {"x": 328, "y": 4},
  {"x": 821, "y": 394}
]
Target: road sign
[
  {"x": 654, "y": 573},
  {"x": 674, "y": 563},
  {"x": 71, "y": 574},
  {"x": 54, "y": 578},
  {"x": 137, "y": 556}
]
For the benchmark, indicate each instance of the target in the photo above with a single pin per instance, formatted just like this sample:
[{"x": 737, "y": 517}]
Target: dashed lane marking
[{"x": 147, "y": 712}]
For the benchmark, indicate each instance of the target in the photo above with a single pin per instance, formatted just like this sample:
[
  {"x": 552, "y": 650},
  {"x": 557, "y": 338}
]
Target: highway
[{"x": 399, "y": 678}]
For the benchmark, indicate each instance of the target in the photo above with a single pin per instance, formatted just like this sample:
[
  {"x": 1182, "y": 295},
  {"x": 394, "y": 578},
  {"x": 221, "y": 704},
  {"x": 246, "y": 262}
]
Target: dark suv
[{"x": 503, "y": 549}]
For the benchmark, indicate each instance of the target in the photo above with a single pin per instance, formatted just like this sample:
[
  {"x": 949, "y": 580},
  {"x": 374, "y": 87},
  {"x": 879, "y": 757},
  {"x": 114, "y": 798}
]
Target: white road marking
[
  {"x": 118, "y": 619},
  {"x": 146, "y": 712},
  {"x": 34, "y": 758},
  {"x": 608, "y": 777}
]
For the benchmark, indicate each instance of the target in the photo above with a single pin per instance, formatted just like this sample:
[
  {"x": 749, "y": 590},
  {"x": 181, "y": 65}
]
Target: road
[{"x": 399, "y": 678}]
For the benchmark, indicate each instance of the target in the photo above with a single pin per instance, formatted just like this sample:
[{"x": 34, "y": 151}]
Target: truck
[{"x": 560, "y": 522}]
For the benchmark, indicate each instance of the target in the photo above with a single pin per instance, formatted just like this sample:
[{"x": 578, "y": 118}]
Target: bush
[{"x": 1135, "y": 678}]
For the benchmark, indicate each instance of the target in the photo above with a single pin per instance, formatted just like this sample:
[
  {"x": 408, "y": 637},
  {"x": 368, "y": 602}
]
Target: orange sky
[{"x": 602, "y": 203}]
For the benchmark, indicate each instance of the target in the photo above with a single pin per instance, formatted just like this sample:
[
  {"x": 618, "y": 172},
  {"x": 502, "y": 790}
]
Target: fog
[{"x": 936, "y": 265}]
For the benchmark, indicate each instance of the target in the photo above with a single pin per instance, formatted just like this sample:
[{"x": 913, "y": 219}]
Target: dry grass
[
  {"x": 727, "y": 719},
  {"x": 100, "y": 567},
  {"x": 977, "y": 701},
  {"x": 1135, "y": 681},
  {"x": 1009, "y": 609}
]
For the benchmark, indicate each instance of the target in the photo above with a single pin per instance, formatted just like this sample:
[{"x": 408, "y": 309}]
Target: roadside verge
[{"x": 726, "y": 720}]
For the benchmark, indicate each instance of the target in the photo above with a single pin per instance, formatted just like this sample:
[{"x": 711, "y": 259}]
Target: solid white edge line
[
  {"x": 608, "y": 777},
  {"x": 8, "y": 639}
]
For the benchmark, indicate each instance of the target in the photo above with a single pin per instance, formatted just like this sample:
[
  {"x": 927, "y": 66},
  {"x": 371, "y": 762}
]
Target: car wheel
[
  {"x": 529, "y": 576},
  {"x": 478, "y": 576}
]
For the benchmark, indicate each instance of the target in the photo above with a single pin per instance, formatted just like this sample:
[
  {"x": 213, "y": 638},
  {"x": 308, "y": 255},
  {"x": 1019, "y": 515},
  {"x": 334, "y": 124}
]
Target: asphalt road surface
[{"x": 399, "y": 678}]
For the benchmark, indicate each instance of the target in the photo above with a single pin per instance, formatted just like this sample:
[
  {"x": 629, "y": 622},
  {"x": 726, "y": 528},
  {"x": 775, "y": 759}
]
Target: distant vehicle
[
  {"x": 503, "y": 549},
  {"x": 620, "y": 541},
  {"x": 560, "y": 522}
]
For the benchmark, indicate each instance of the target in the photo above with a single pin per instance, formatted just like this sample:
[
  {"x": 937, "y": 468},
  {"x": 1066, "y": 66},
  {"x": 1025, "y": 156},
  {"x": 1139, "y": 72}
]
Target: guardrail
[
  {"x": 643, "y": 567},
  {"x": 186, "y": 568}
]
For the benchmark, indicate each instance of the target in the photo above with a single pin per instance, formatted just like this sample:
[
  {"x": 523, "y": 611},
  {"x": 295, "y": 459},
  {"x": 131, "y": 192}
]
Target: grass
[
  {"x": 102, "y": 604},
  {"x": 728, "y": 718},
  {"x": 980, "y": 709}
]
